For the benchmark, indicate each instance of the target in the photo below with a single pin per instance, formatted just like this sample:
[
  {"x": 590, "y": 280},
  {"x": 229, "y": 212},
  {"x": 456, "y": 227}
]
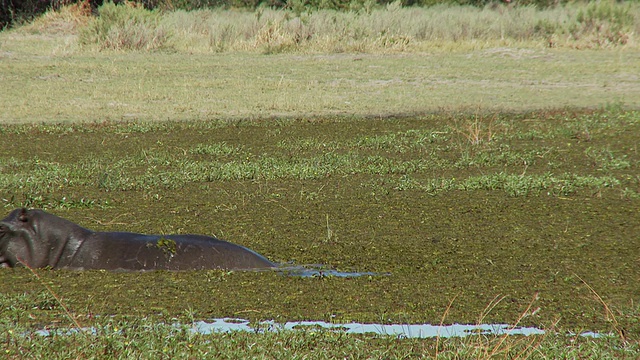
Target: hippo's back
[{"x": 130, "y": 251}]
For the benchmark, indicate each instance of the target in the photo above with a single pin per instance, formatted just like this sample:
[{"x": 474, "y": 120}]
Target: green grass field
[{"x": 494, "y": 180}]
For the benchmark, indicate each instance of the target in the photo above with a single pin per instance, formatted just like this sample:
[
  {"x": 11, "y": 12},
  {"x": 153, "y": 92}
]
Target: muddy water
[{"x": 485, "y": 253}]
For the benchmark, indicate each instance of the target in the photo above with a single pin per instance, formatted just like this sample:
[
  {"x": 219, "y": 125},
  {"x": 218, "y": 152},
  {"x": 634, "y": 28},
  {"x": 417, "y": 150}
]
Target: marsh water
[
  {"x": 320, "y": 271},
  {"x": 398, "y": 330},
  {"x": 528, "y": 218}
]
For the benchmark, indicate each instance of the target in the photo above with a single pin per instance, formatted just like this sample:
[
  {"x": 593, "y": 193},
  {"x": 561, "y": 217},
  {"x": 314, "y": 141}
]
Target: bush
[
  {"x": 610, "y": 23},
  {"x": 125, "y": 27}
]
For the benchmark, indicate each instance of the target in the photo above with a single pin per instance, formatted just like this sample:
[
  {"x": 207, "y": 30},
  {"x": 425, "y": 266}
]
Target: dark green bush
[{"x": 21, "y": 10}]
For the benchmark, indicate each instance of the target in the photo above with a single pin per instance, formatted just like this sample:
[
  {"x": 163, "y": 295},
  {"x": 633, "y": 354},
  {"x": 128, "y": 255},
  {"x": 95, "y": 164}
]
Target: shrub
[
  {"x": 125, "y": 27},
  {"x": 604, "y": 23}
]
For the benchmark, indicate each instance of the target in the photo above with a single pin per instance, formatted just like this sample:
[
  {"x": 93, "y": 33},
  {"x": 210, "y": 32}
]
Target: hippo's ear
[{"x": 23, "y": 215}]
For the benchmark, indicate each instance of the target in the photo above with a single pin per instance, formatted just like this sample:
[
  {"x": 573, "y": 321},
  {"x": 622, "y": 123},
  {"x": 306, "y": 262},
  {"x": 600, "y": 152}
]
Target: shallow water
[
  {"x": 399, "y": 330},
  {"x": 320, "y": 271},
  {"x": 404, "y": 331}
]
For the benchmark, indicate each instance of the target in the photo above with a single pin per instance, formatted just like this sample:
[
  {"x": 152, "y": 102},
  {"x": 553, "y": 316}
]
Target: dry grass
[
  {"x": 476, "y": 130},
  {"x": 397, "y": 29},
  {"x": 44, "y": 80},
  {"x": 65, "y": 21},
  {"x": 392, "y": 28},
  {"x": 609, "y": 315}
]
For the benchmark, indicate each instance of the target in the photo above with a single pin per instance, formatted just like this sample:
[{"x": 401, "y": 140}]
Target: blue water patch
[
  {"x": 401, "y": 331},
  {"x": 398, "y": 330}
]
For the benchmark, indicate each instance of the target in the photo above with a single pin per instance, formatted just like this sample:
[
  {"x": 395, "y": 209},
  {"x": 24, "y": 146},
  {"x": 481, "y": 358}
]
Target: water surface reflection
[{"x": 399, "y": 330}]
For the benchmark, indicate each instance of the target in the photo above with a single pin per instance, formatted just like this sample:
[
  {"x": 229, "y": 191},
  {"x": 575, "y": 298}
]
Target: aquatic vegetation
[{"x": 408, "y": 196}]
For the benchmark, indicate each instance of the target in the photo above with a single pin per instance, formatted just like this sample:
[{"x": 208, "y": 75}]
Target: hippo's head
[
  {"x": 18, "y": 240},
  {"x": 32, "y": 238}
]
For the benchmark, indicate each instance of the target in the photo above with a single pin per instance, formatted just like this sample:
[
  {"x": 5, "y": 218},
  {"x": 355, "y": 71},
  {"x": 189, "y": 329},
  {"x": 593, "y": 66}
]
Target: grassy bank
[
  {"x": 39, "y": 86},
  {"x": 62, "y": 68},
  {"x": 146, "y": 87}
]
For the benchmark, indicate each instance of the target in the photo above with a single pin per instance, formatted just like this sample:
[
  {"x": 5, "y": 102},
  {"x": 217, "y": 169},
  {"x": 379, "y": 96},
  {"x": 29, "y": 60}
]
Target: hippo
[{"x": 37, "y": 239}]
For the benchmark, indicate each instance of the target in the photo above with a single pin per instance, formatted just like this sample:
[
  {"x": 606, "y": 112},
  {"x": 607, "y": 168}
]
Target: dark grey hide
[{"x": 38, "y": 239}]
